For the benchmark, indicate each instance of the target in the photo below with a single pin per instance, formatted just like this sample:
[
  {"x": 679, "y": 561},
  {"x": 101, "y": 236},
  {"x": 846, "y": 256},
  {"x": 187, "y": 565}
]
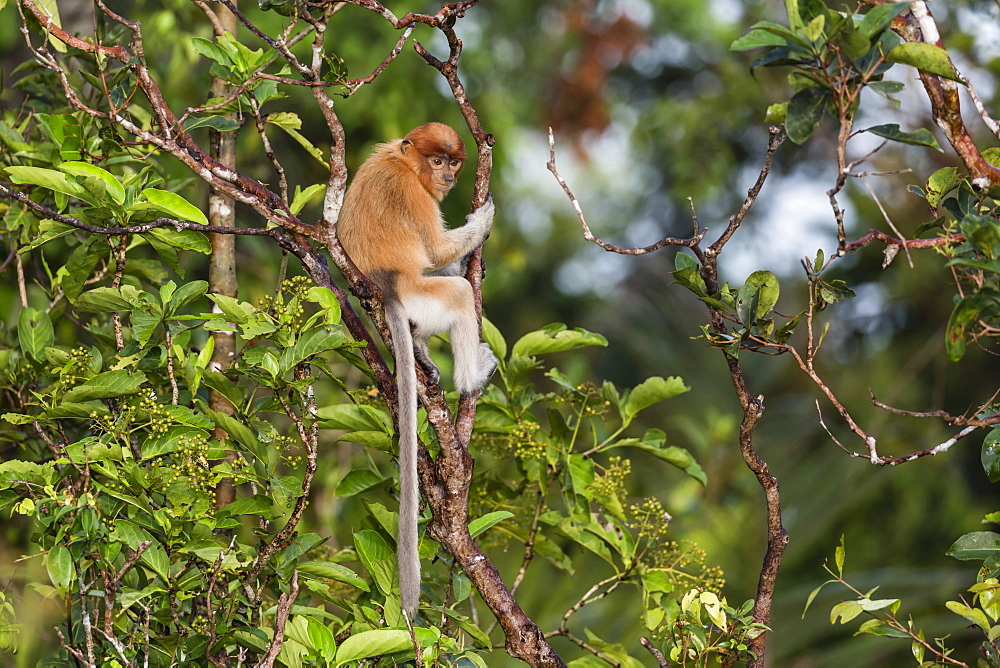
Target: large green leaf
[
  {"x": 357, "y": 481},
  {"x": 80, "y": 264},
  {"x": 51, "y": 179},
  {"x": 373, "y": 643},
  {"x": 174, "y": 205},
  {"x": 109, "y": 184},
  {"x": 651, "y": 391},
  {"x": 879, "y": 17},
  {"x": 378, "y": 558},
  {"x": 926, "y": 57},
  {"x": 976, "y": 545},
  {"x": 107, "y": 385},
  {"x": 107, "y": 300},
  {"x": 34, "y": 333},
  {"x": 328, "y": 569},
  {"x": 921, "y": 137},
  {"x": 59, "y": 564},
  {"x": 805, "y": 111},
  {"x": 481, "y": 524},
  {"x": 991, "y": 455},
  {"x": 556, "y": 338}
]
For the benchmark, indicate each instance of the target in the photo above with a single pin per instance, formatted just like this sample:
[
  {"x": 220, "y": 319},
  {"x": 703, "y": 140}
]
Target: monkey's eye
[
  {"x": 437, "y": 162},
  {"x": 456, "y": 163}
]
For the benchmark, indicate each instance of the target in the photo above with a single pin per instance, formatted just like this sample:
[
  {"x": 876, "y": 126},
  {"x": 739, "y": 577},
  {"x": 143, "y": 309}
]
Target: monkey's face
[{"x": 443, "y": 169}]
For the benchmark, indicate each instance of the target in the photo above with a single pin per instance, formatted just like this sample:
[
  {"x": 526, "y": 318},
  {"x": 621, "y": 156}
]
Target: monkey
[{"x": 391, "y": 227}]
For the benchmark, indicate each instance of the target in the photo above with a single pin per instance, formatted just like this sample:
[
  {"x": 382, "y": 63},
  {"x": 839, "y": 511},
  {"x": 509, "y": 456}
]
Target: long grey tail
[{"x": 407, "y": 546}]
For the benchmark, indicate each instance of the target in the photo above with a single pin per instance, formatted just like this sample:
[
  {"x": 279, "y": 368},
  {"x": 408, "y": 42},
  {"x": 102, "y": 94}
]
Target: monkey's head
[{"x": 435, "y": 152}]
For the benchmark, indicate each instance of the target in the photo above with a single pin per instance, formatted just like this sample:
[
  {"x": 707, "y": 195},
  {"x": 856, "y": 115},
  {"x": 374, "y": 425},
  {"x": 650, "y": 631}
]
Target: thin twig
[
  {"x": 888, "y": 220},
  {"x": 285, "y": 603},
  {"x": 657, "y": 654},
  {"x": 589, "y": 236}
]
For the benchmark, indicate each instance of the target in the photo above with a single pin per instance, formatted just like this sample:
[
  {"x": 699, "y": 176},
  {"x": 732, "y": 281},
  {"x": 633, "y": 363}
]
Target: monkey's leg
[
  {"x": 423, "y": 356},
  {"x": 474, "y": 361}
]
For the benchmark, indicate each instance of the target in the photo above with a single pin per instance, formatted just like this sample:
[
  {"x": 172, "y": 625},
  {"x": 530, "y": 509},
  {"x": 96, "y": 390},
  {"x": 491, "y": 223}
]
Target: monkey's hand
[{"x": 482, "y": 218}]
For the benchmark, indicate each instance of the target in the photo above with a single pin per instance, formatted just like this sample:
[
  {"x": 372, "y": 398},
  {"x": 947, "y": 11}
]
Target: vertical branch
[
  {"x": 753, "y": 409},
  {"x": 222, "y": 262},
  {"x": 285, "y": 603},
  {"x": 116, "y": 283}
]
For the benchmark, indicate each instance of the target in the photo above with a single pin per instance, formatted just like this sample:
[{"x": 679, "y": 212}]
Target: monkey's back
[{"x": 388, "y": 217}]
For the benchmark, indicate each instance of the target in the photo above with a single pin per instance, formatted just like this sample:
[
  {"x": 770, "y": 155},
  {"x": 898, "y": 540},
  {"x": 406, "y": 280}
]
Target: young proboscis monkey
[{"x": 391, "y": 227}]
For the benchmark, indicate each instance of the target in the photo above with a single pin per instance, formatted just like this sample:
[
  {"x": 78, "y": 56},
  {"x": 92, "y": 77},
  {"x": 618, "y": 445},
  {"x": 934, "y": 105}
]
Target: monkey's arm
[{"x": 453, "y": 245}]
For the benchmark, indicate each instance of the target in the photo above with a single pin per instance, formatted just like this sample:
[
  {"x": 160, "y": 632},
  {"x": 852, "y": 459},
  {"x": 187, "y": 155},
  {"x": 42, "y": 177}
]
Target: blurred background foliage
[{"x": 649, "y": 107}]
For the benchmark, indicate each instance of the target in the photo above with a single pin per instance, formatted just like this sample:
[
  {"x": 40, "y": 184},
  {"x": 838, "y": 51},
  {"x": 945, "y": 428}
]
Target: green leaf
[
  {"x": 237, "y": 430},
  {"x": 805, "y": 111},
  {"x": 357, "y": 481},
  {"x": 34, "y": 333},
  {"x": 768, "y": 291},
  {"x": 59, "y": 563},
  {"x": 353, "y": 417},
  {"x": 107, "y": 385},
  {"x": 211, "y": 50},
  {"x": 183, "y": 239},
  {"x": 690, "y": 278},
  {"x": 919, "y": 137},
  {"x": 184, "y": 295},
  {"x": 940, "y": 183},
  {"x": 494, "y": 338},
  {"x": 974, "y": 615},
  {"x": 220, "y": 123},
  {"x": 481, "y": 524},
  {"x": 581, "y": 475},
  {"x": 302, "y": 197},
  {"x": 311, "y": 343},
  {"x": 290, "y": 123},
  {"x": 373, "y": 643},
  {"x": 651, "y": 391},
  {"x": 812, "y": 597},
  {"x": 47, "y": 231},
  {"x": 845, "y": 611},
  {"x": 855, "y": 44},
  {"x": 80, "y": 264},
  {"x": 887, "y": 89},
  {"x": 258, "y": 504},
  {"x": 991, "y": 455},
  {"x": 966, "y": 312},
  {"x": 975, "y": 546},
  {"x": 776, "y": 113},
  {"x": 111, "y": 185},
  {"x": 322, "y": 639},
  {"x": 556, "y": 338},
  {"x": 790, "y": 35},
  {"x": 756, "y": 39},
  {"x": 870, "y": 605},
  {"x": 652, "y": 442},
  {"x": 378, "y": 440},
  {"x": 51, "y": 179},
  {"x": 378, "y": 558},
  {"x": 926, "y": 57},
  {"x": 332, "y": 571},
  {"x": 174, "y": 205},
  {"x": 107, "y": 300},
  {"x": 236, "y": 311},
  {"x": 879, "y": 17},
  {"x": 156, "y": 558},
  {"x": 161, "y": 443}
]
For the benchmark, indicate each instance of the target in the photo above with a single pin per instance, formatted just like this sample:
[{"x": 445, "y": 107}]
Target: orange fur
[{"x": 391, "y": 227}]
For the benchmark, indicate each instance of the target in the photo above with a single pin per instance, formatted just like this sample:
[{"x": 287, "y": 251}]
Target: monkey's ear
[{"x": 405, "y": 144}]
